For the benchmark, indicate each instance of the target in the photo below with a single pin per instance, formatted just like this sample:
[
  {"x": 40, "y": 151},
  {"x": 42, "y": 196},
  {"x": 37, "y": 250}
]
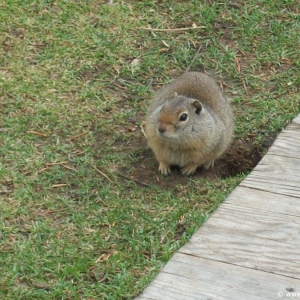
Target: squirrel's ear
[{"x": 197, "y": 104}]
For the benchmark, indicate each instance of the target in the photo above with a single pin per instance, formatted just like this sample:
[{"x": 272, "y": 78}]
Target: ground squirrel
[{"x": 189, "y": 123}]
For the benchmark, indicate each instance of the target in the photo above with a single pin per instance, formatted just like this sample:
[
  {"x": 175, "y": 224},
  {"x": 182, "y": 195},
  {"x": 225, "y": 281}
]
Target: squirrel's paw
[
  {"x": 164, "y": 168},
  {"x": 189, "y": 169},
  {"x": 209, "y": 164}
]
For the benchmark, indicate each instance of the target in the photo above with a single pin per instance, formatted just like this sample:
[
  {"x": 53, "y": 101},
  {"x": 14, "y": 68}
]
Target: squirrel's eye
[{"x": 183, "y": 117}]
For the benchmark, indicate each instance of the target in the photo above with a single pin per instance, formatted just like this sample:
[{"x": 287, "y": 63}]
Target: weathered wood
[
  {"x": 264, "y": 202},
  {"x": 288, "y": 144},
  {"x": 279, "y": 164},
  {"x": 188, "y": 277},
  {"x": 297, "y": 119},
  {"x": 250, "y": 247},
  {"x": 276, "y": 174},
  {"x": 250, "y": 221},
  {"x": 284, "y": 148},
  {"x": 246, "y": 250}
]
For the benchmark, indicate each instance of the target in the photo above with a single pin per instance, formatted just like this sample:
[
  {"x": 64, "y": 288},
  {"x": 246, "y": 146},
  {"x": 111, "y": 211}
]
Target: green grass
[{"x": 71, "y": 227}]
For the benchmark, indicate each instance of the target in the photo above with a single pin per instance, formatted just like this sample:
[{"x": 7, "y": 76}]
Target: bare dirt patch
[{"x": 241, "y": 157}]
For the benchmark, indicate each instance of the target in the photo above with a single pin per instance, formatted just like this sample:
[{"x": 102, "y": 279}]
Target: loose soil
[{"x": 241, "y": 157}]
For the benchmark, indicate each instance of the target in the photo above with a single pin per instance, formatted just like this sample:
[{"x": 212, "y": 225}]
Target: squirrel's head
[{"x": 177, "y": 116}]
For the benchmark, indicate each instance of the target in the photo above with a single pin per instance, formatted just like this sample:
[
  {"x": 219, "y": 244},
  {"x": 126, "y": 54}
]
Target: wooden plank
[
  {"x": 297, "y": 119},
  {"x": 264, "y": 202},
  {"x": 188, "y": 277},
  {"x": 245, "y": 250},
  {"x": 284, "y": 148},
  {"x": 278, "y": 164},
  {"x": 288, "y": 143},
  {"x": 281, "y": 162},
  {"x": 290, "y": 131},
  {"x": 251, "y": 222},
  {"x": 273, "y": 185},
  {"x": 276, "y": 174},
  {"x": 292, "y": 128}
]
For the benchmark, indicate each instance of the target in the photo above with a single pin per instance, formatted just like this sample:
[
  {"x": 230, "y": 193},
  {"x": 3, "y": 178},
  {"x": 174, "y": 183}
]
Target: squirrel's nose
[{"x": 161, "y": 130}]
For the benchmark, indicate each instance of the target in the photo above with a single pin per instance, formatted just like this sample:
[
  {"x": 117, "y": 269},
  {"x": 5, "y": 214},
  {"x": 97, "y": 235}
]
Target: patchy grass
[{"x": 84, "y": 214}]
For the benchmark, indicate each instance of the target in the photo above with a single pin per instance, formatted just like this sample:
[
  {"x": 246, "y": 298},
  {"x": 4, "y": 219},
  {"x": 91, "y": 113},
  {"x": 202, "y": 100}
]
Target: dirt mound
[{"x": 241, "y": 157}]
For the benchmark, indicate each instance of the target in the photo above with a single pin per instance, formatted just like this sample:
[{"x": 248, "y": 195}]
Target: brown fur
[{"x": 200, "y": 139}]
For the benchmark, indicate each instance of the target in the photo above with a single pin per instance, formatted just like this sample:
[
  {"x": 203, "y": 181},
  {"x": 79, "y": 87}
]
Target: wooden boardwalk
[{"x": 250, "y": 247}]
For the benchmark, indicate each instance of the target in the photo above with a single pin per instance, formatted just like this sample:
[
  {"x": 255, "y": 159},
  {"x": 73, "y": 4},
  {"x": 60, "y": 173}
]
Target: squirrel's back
[{"x": 194, "y": 85}]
